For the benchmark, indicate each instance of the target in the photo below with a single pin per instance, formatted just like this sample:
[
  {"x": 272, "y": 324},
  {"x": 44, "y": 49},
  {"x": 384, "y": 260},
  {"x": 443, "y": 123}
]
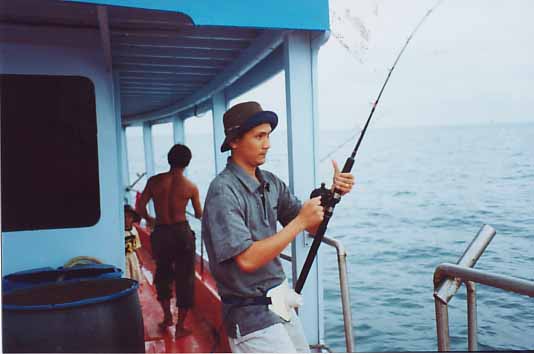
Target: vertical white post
[
  {"x": 218, "y": 107},
  {"x": 300, "y": 100},
  {"x": 149, "y": 149},
  {"x": 125, "y": 165},
  {"x": 178, "y": 130},
  {"x": 122, "y": 156},
  {"x": 149, "y": 155},
  {"x": 121, "y": 138}
]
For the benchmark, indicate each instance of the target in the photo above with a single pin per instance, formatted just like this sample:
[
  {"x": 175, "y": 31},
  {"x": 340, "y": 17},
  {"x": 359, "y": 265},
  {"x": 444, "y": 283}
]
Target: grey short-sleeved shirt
[{"x": 234, "y": 217}]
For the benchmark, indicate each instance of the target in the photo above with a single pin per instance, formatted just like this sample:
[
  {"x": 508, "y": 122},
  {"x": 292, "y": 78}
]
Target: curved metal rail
[
  {"x": 449, "y": 277},
  {"x": 343, "y": 287}
]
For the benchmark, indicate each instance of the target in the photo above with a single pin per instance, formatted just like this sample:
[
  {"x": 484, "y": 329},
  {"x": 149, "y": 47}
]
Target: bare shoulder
[
  {"x": 157, "y": 178},
  {"x": 149, "y": 182},
  {"x": 190, "y": 185},
  {"x": 156, "y": 182}
]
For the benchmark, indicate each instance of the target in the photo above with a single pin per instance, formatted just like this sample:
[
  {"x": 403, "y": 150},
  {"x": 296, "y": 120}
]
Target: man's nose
[{"x": 267, "y": 143}]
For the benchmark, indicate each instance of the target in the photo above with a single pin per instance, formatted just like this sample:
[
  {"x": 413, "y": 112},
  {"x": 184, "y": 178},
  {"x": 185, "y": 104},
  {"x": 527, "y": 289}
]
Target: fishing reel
[{"x": 325, "y": 194}]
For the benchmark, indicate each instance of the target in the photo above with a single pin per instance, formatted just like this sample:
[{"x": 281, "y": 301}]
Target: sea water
[{"x": 422, "y": 194}]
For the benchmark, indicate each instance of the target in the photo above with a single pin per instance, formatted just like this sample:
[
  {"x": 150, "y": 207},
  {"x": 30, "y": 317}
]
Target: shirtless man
[{"x": 173, "y": 241}]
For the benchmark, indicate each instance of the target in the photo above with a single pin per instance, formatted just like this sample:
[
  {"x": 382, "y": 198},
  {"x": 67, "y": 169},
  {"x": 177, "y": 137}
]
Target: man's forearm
[
  {"x": 142, "y": 211},
  {"x": 263, "y": 251}
]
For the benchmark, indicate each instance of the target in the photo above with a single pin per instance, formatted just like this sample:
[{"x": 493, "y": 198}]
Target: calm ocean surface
[{"x": 422, "y": 195}]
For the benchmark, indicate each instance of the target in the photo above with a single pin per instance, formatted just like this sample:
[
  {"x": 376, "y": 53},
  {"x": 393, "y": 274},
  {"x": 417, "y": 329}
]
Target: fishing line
[
  {"x": 130, "y": 187},
  {"x": 330, "y": 199},
  {"x": 348, "y": 140},
  {"x": 345, "y": 142}
]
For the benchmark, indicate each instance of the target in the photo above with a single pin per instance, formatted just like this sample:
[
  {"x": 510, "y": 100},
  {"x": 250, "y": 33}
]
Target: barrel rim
[{"x": 134, "y": 285}]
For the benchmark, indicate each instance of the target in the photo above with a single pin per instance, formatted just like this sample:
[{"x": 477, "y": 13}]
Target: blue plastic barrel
[{"x": 88, "y": 316}]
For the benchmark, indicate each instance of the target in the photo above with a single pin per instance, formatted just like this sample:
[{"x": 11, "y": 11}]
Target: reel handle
[{"x": 325, "y": 194}]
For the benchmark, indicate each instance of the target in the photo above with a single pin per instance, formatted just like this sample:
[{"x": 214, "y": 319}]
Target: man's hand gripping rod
[{"x": 328, "y": 201}]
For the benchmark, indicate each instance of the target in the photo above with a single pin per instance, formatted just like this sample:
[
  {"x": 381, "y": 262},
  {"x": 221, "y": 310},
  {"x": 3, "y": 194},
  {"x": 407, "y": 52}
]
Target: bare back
[{"x": 171, "y": 191}]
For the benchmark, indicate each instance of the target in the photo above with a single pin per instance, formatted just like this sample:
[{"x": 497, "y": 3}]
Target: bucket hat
[{"x": 242, "y": 117}]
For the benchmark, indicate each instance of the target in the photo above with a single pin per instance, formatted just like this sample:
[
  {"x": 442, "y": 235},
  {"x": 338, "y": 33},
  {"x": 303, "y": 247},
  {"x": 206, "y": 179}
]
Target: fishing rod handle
[
  {"x": 318, "y": 238},
  {"x": 328, "y": 201},
  {"x": 329, "y": 204}
]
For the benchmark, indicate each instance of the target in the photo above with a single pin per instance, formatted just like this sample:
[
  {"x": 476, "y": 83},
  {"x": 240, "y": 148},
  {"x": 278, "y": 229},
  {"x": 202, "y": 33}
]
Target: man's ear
[{"x": 233, "y": 143}]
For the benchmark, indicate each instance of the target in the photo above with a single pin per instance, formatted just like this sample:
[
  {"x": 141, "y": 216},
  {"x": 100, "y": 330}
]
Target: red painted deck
[{"x": 204, "y": 320}]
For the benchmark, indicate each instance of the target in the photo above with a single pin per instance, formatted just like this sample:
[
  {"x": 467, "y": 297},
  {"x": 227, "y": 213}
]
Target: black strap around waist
[{"x": 246, "y": 301}]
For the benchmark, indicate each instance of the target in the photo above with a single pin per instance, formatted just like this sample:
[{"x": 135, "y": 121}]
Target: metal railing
[
  {"x": 449, "y": 277},
  {"x": 343, "y": 287},
  {"x": 195, "y": 220}
]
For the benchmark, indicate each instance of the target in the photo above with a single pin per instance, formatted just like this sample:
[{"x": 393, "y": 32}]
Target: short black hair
[
  {"x": 129, "y": 209},
  {"x": 179, "y": 156}
]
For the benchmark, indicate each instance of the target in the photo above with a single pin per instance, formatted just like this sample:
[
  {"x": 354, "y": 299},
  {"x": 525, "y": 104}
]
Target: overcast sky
[{"x": 471, "y": 62}]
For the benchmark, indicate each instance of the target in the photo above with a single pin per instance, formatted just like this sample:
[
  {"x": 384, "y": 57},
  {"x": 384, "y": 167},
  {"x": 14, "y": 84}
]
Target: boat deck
[{"x": 204, "y": 320}]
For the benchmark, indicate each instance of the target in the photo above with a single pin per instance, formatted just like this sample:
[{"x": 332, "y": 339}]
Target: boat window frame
[{"x": 50, "y": 160}]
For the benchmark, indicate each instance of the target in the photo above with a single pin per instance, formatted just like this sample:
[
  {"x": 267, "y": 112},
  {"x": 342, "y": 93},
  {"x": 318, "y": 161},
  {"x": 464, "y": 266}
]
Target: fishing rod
[
  {"x": 139, "y": 177},
  {"x": 329, "y": 199}
]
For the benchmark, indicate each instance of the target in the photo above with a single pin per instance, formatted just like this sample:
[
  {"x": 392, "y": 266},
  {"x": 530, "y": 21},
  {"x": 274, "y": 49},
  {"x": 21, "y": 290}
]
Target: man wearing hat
[{"x": 239, "y": 229}]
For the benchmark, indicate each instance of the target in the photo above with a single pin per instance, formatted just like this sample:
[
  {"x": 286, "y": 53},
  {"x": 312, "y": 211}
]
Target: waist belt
[{"x": 245, "y": 301}]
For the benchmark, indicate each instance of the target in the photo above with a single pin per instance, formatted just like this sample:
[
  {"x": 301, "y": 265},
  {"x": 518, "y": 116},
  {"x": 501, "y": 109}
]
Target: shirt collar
[{"x": 249, "y": 182}]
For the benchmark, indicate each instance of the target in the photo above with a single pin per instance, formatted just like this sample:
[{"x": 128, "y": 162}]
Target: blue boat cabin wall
[
  {"x": 49, "y": 51},
  {"x": 281, "y": 14},
  {"x": 79, "y": 52}
]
